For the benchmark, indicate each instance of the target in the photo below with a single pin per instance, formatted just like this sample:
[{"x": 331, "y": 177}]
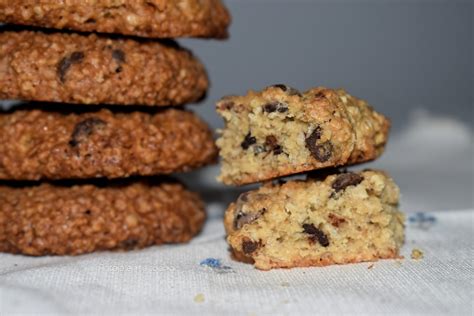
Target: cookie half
[
  {"x": 342, "y": 218},
  {"x": 61, "y": 220},
  {"x": 88, "y": 69},
  {"x": 155, "y": 18},
  {"x": 37, "y": 144},
  {"x": 281, "y": 131}
]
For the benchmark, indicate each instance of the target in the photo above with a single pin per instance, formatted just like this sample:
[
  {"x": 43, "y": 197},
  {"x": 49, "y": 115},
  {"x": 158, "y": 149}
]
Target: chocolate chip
[
  {"x": 248, "y": 141},
  {"x": 84, "y": 129},
  {"x": 242, "y": 218},
  {"x": 280, "y": 86},
  {"x": 249, "y": 246},
  {"x": 321, "y": 152},
  {"x": 275, "y": 106},
  {"x": 65, "y": 63},
  {"x": 287, "y": 89},
  {"x": 270, "y": 107},
  {"x": 320, "y": 95},
  {"x": 346, "y": 179},
  {"x": 226, "y": 106},
  {"x": 272, "y": 143},
  {"x": 316, "y": 234},
  {"x": 315, "y": 136},
  {"x": 88, "y": 212},
  {"x": 282, "y": 109},
  {"x": 277, "y": 150},
  {"x": 118, "y": 55}
]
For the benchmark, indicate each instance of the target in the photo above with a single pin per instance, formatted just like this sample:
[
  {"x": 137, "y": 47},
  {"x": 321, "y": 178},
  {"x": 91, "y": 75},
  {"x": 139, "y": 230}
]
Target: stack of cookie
[
  {"x": 79, "y": 176},
  {"x": 333, "y": 216}
]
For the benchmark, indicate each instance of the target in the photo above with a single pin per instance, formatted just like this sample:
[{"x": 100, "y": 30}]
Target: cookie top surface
[
  {"x": 154, "y": 18},
  {"x": 70, "y": 220},
  {"x": 91, "y": 69},
  {"x": 38, "y": 144},
  {"x": 281, "y": 131}
]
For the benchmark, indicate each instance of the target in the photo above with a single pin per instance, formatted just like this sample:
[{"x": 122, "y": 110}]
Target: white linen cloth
[
  {"x": 431, "y": 161},
  {"x": 171, "y": 279}
]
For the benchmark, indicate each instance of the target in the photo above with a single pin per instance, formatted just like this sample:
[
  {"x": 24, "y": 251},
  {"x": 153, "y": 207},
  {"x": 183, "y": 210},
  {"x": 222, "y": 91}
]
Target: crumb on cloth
[{"x": 417, "y": 254}]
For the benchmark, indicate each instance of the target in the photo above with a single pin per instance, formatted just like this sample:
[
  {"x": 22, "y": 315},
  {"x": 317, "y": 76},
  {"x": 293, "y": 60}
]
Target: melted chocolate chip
[
  {"x": 321, "y": 152},
  {"x": 287, "y": 89},
  {"x": 249, "y": 140},
  {"x": 249, "y": 246},
  {"x": 316, "y": 235},
  {"x": 346, "y": 179},
  {"x": 84, "y": 129},
  {"x": 65, "y": 63}
]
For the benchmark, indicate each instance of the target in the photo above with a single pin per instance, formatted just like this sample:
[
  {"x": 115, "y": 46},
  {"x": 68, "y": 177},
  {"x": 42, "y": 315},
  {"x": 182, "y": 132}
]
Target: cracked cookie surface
[
  {"x": 341, "y": 218},
  {"x": 90, "y": 69},
  {"x": 37, "y": 144},
  {"x": 151, "y": 18},
  {"x": 71, "y": 220},
  {"x": 281, "y": 131}
]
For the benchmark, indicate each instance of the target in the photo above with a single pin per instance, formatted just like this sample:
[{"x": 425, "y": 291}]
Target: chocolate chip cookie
[
  {"x": 37, "y": 144},
  {"x": 341, "y": 218},
  {"x": 72, "y": 220},
  {"x": 89, "y": 69},
  {"x": 281, "y": 131},
  {"x": 152, "y": 18}
]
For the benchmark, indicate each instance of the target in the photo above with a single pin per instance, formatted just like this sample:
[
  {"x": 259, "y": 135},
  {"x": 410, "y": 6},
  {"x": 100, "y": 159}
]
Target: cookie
[
  {"x": 281, "y": 131},
  {"x": 76, "y": 68},
  {"x": 37, "y": 144},
  {"x": 72, "y": 220},
  {"x": 155, "y": 18},
  {"x": 342, "y": 218}
]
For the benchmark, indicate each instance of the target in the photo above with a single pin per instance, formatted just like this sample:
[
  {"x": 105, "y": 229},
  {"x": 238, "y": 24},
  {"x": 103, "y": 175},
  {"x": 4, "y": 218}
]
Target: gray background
[
  {"x": 412, "y": 60},
  {"x": 396, "y": 54}
]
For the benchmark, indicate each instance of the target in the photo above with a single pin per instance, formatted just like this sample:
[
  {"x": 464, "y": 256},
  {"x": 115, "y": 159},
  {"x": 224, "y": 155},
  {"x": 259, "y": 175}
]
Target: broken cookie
[
  {"x": 281, "y": 131},
  {"x": 342, "y": 218}
]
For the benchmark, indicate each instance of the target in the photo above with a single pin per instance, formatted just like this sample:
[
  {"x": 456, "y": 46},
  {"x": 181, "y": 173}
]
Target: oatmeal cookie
[
  {"x": 88, "y": 69},
  {"x": 151, "y": 18},
  {"x": 37, "y": 144},
  {"x": 342, "y": 218},
  {"x": 281, "y": 131},
  {"x": 71, "y": 220}
]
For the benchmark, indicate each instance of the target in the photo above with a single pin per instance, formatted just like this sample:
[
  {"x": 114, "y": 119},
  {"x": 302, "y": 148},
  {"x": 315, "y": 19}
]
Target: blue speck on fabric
[
  {"x": 216, "y": 265},
  {"x": 422, "y": 220}
]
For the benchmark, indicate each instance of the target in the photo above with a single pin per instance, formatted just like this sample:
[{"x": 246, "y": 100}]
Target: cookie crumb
[
  {"x": 199, "y": 298},
  {"x": 417, "y": 254}
]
